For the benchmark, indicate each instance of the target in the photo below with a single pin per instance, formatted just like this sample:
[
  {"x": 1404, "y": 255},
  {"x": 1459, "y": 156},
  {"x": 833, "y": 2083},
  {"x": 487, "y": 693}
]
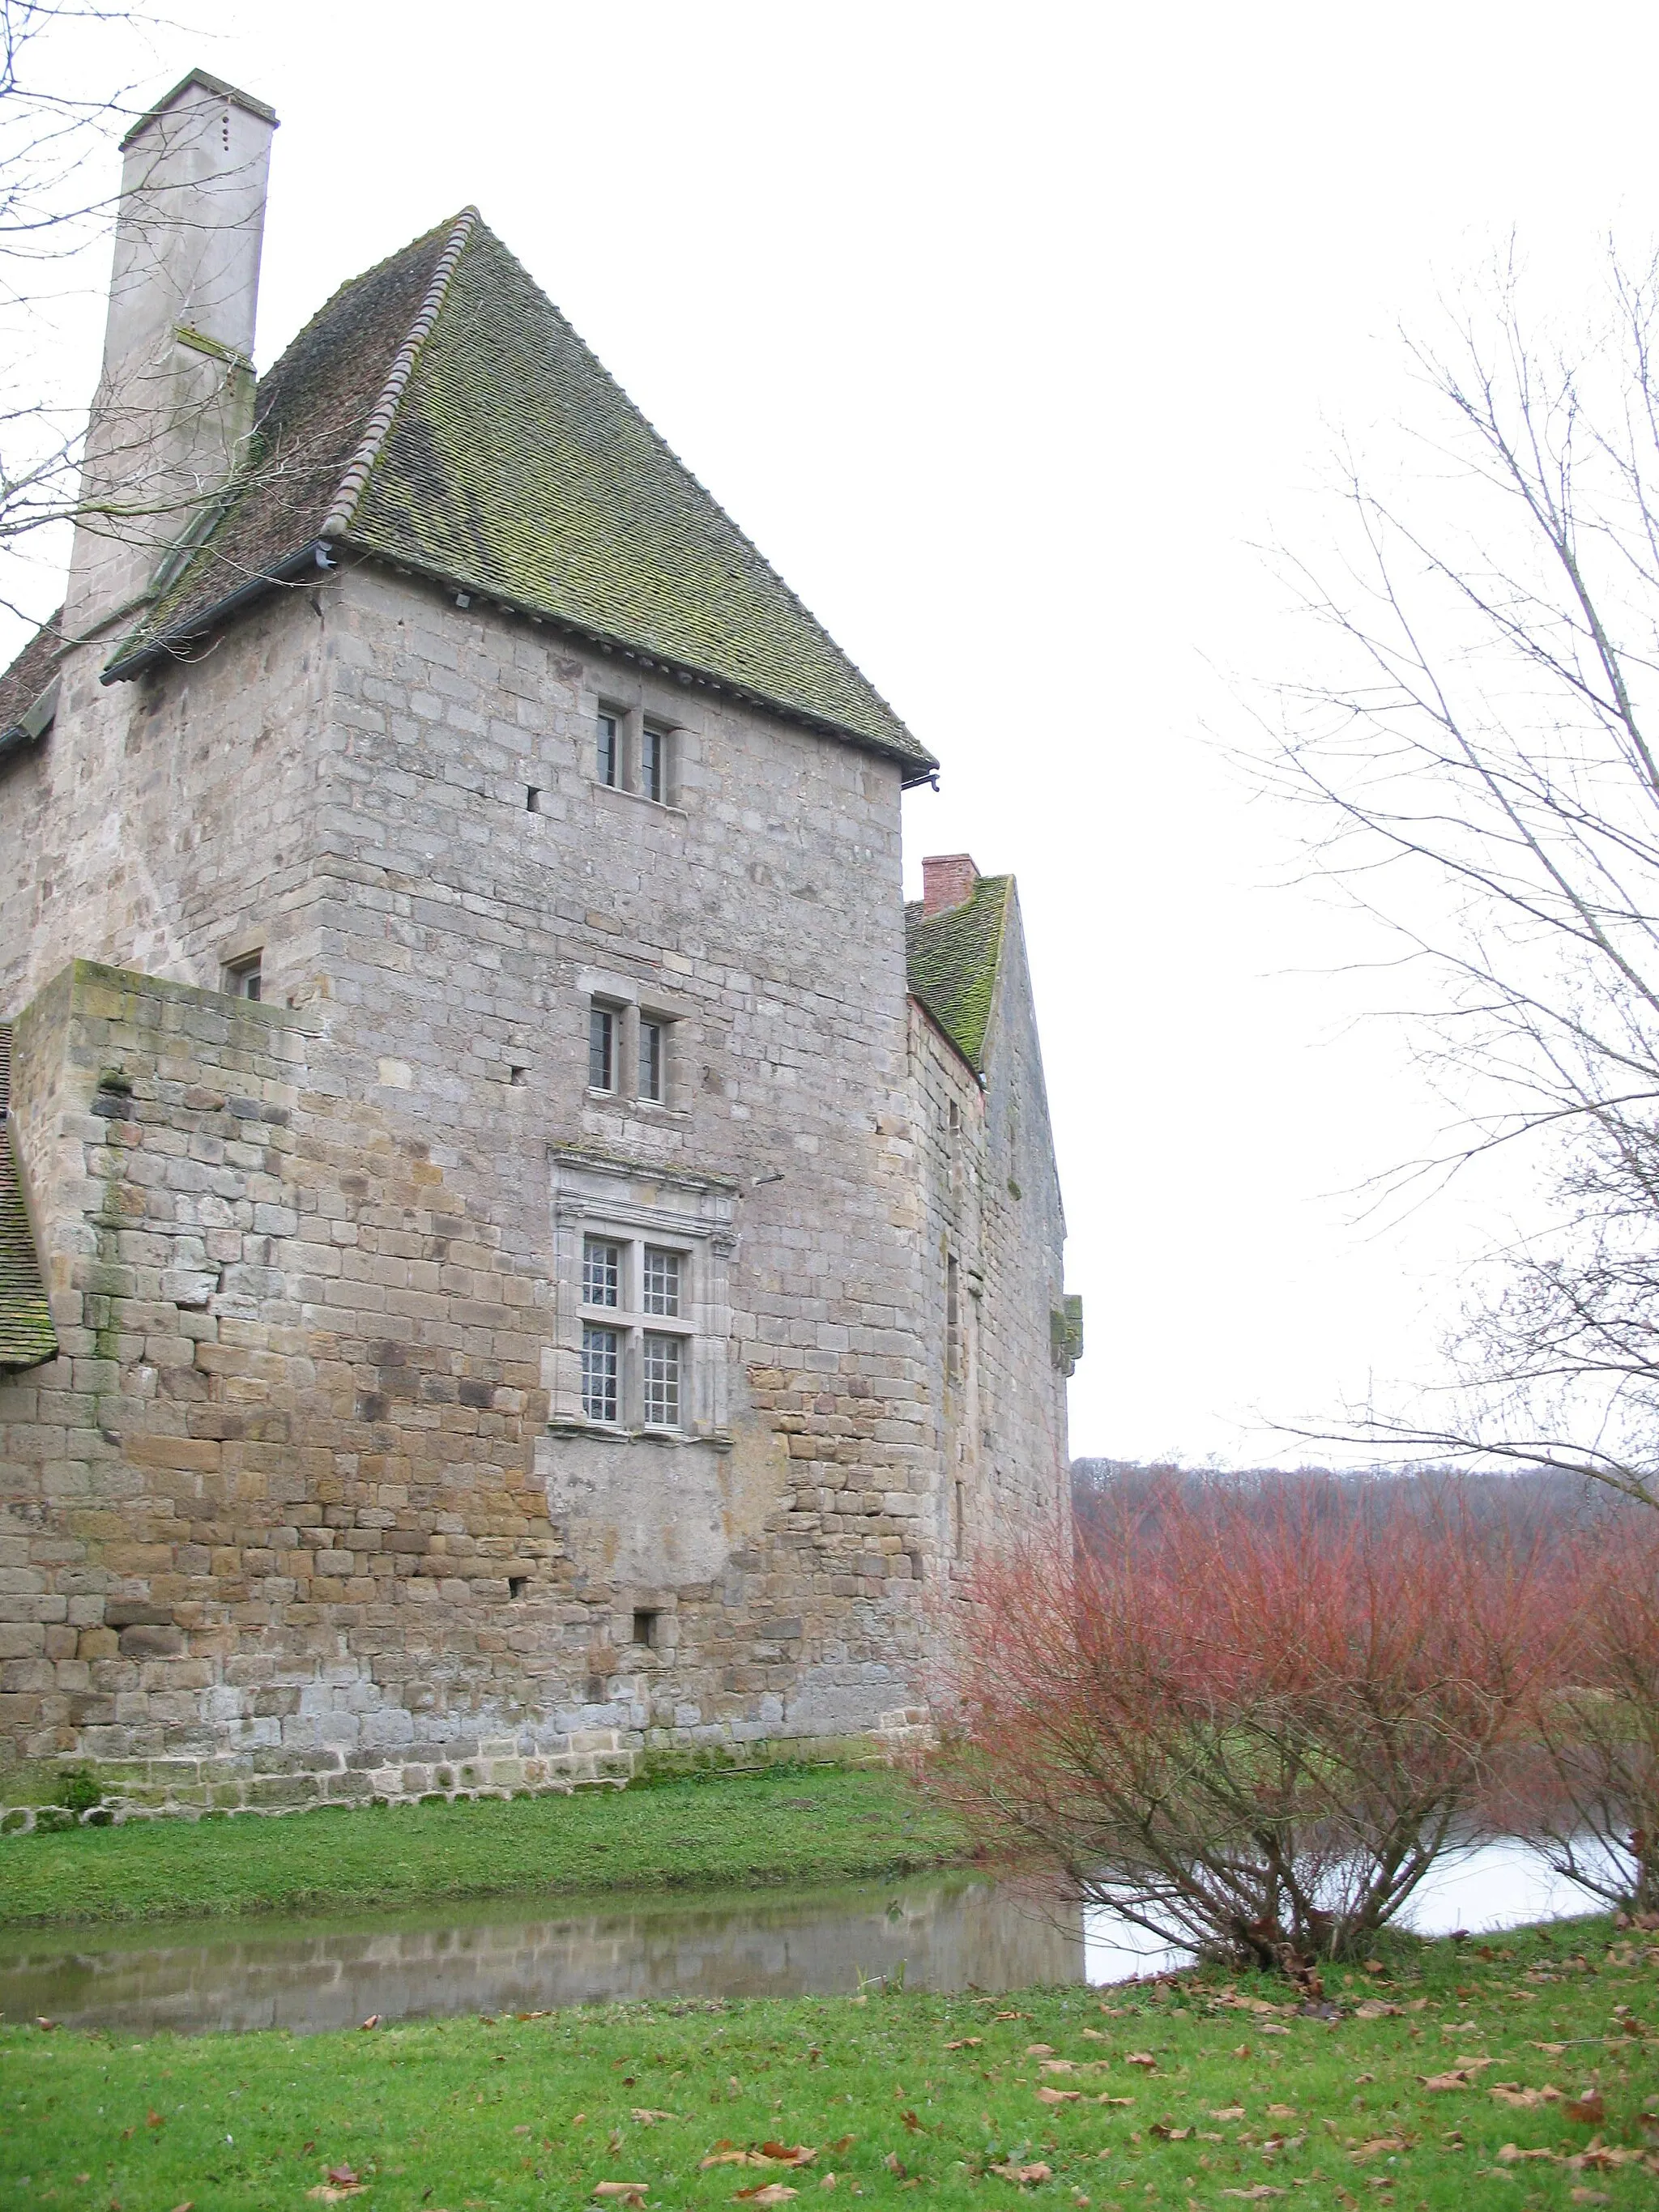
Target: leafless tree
[
  {"x": 1479, "y": 762},
  {"x": 57, "y": 199}
]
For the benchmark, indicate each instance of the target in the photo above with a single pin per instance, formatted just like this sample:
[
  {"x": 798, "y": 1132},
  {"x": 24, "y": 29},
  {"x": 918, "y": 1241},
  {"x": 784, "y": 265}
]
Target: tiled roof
[
  {"x": 27, "y": 1335},
  {"x": 441, "y": 413},
  {"x": 29, "y": 675},
  {"x": 953, "y": 958}
]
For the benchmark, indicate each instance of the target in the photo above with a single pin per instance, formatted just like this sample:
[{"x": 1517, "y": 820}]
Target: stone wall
[
  {"x": 306, "y": 1508},
  {"x": 993, "y": 1208}
]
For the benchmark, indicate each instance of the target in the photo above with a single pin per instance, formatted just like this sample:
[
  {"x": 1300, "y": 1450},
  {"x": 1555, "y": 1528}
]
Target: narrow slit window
[
  {"x": 601, "y": 1049},
  {"x": 599, "y": 1370},
  {"x": 652, "y": 1041},
  {"x": 661, "y": 1286},
  {"x": 952, "y": 1316},
  {"x": 662, "y": 1377},
  {"x": 609, "y": 749},
  {"x": 601, "y": 1273},
  {"x": 645, "y": 1630},
  {"x": 653, "y": 756}
]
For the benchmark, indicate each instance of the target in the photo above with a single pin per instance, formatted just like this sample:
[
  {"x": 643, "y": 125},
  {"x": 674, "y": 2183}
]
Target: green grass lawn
[
  {"x": 828, "y": 1824},
  {"x": 1184, "y": 2097}
]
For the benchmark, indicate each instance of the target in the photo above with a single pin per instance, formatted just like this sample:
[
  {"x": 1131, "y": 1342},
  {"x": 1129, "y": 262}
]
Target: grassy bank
[
  {"x": 830, "y": 1825},
  {"x": 1197, "y": 2096}
]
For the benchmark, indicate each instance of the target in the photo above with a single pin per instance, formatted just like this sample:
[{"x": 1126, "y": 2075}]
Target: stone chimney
[
  {"x": 174, "y": 403},
  {"x": 947, "y": 880}
]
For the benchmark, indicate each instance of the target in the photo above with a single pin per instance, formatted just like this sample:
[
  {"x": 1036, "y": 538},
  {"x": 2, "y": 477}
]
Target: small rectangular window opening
[
  {"x": 610, "y": 751},
  {"x": 952, "y": 1316},
  {"x": 517, "y": 1075},
  {"x": 242, "y": 977},
  {"x": 953, "y": 1117},
  {"x": 532, "y": 799},
  {"x": 601, "y": 1049},
  {"x": 517, "y": 1585},
  {"x": 599, "y": 1366},
  {"x": 654, "y": 750},
  {"x": 651, "y": 1060},
  {"x": 645, "y": 1630}
]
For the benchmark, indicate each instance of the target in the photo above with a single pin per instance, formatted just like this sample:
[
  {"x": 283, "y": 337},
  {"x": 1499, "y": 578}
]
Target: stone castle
[{"x": 519, "y": 1253}]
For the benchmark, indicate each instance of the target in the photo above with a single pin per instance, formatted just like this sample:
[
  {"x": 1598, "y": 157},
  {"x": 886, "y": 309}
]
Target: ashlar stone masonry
[{"x": 545, "y": 1262}]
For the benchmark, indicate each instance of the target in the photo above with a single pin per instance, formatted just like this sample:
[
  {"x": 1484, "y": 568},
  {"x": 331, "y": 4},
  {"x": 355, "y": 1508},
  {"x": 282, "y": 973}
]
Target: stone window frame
[
  {"x": 633, "y": 763},
  {"x": 634, "y": 1206},
  {"x": 241, "y": 961},
  {"x": 629, "y": 1003}
]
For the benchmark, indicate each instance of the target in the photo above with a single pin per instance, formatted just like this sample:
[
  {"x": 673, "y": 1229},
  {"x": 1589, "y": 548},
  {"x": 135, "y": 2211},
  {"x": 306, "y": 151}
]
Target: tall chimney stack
[
  {"x": 947, "y": 880},
  {"x": 174, "y": 403}
]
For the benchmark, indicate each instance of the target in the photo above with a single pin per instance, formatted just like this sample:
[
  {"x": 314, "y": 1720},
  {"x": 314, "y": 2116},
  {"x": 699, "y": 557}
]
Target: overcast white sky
[{"x": 1007, "y": 333}]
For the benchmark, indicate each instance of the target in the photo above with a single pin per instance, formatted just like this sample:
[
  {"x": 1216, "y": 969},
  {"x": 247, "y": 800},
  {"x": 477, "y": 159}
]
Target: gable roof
[
  {"x": 27, "y": 1335},
  {"x": 953, "y": 958},
  {"x": 441, "y": 413}
]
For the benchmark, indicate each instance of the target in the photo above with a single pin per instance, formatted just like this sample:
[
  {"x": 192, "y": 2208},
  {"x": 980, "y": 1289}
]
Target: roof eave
[
  {"x": 169, "y": 644},
  {"x": 321, "y": 553},
  {"x": 972, "y": 1066},
  {"x": 922, "y": 770}
]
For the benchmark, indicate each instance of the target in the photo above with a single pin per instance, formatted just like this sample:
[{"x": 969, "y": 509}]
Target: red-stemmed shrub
[
  {"x": 1592, "y": 1805},
  {"x": 1251, "y": 1721}
]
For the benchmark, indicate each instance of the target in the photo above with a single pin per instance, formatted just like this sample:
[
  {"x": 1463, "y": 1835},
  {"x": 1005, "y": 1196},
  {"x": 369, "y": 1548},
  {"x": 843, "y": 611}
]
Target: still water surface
[{"x": 512, "y": 1954}]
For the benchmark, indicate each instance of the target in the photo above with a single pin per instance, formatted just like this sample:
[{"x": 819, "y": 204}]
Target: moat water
[{"x": 512, "y": 1954}]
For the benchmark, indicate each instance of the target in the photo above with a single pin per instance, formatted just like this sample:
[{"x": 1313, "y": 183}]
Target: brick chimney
[
  {"x": 174, "y": 403},
  {"x": 947, "y": 880}
]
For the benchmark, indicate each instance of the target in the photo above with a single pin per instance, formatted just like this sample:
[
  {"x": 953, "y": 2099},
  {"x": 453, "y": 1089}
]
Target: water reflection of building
[{"x": 946, "y": 1934}]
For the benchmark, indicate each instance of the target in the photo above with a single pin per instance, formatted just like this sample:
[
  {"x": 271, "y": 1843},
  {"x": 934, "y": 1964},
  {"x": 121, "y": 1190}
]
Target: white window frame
[{"x": 636, "y": 1207}]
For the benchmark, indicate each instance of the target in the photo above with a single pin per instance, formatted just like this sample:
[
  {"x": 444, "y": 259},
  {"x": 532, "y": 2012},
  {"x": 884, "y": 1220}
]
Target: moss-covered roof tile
[
  {"x": 953, "y": 958},
  {"x": 441, "y": 413}
]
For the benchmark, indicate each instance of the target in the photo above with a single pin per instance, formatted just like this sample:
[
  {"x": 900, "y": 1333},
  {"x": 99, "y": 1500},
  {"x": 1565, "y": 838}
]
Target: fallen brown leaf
[
  {"x": 1253, "y": 2196},
  {"x": 1281, "y": 2112},
  {"x": 633, "y": 2191},
  {"x": 1455, "y": 2080},
  {"x": 325, "y": 2195},
  {"x": 342, "y": 2178},
  {"x": 1039, "y": 2051},
  {"x": 1024, "y": 2175},
  {"x": 844, "y": 2144},
  {"x": 1378, "y": 2147},
  {"x": 1165, "y": 2133},
  {"x": 1589, "y": 2197},
  {"x": 1114, "y": 2100},
  {"x": 374, "y": 2020},
  {"x": 1140, "y": 2058},
  {"x": 1228, "y": 2113},
  {"x": 1271, "y": 2027},
  {"x": 973, "y": 2042},
  {"x": 1057, "y": 2096},
  {"x": 795, "y": 2153},
  {"x": 765, "y": 2193},
  {"x": 1056, "y": 2066},
  {"x": 1512, "y": 2155},
  {"x": 647, "y": 2117}
]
